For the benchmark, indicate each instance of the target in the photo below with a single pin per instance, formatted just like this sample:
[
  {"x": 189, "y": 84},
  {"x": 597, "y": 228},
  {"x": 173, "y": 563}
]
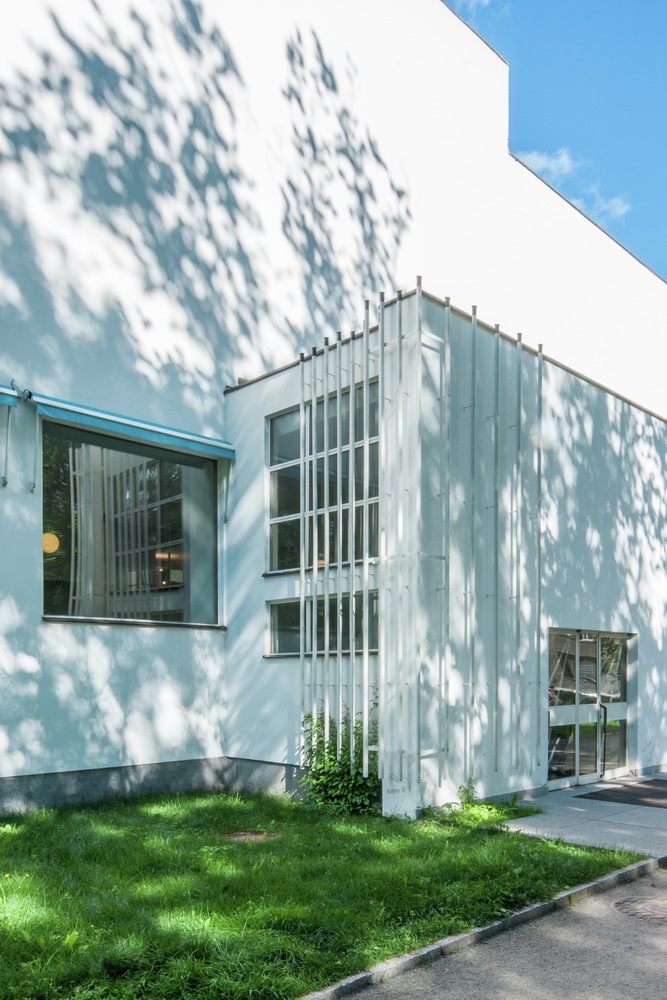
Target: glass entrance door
[{"x": 587, "y": 706}]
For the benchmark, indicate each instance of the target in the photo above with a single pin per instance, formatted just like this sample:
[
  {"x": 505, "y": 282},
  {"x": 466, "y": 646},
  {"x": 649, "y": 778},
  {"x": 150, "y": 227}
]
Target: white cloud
[
  {"x": 552, "y": 166},
  {"x": 470, "y": 6},
  {"x": 560, "y": 166},
  {"x": 473, "y": 5},
  {"x": 607, "y": 208}
]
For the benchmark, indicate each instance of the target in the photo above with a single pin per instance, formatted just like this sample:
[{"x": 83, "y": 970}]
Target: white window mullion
[
  {"x": 326, "y": 524},
  {"x": 315, "y": 546},
  {"x": 382, "y": 550},
  {"x": 365, "y": 706},
  {"x": 126, "y": 545},
  {"x": 352, "y": 531},
  {"x": 339, "y": 538},
  {"x": 74, "y": 528},
  {"x": 109, "y": 568},
  {"x": 303, "y": 540}
]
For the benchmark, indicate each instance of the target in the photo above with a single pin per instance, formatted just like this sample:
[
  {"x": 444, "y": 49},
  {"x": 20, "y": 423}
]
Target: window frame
[
  {"x": 151, "y": 442},
  {"x": 315, "y": 483},
  {"x": 342, "y": 598}
]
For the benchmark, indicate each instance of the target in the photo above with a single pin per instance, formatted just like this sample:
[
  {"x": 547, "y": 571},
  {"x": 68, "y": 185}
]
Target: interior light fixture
[{"x": 50, "y": 543}]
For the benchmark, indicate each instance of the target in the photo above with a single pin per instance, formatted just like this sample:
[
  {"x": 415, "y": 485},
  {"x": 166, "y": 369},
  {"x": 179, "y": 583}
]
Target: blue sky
[{"x": 588, "y": 105}]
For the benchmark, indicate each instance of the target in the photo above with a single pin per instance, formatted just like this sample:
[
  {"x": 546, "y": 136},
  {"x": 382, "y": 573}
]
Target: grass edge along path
[{"x": 227, "y": 896}]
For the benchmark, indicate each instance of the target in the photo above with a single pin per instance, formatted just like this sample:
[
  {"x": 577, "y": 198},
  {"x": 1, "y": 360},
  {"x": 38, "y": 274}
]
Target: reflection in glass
[
  {"x": 136, "y": 530},
  {"x": 588, "y": 748},
  {"x": 285, "y": 627},
  {"x": 588, "y": 669},
  {"x": 340, "y": 620},
  {"x": 328, "y": 484},
  {"x": 285, "y": 544},
  {"x": 562, "y": 668},
  {"x": 286, "y": 491},
  {"x": 613, "y": 669},
  {"x": 615, "y": 753},
  {"x": 562, "y": 748},
  {"x": 285, "y": 445},
  {"x": 587, "y": 672}
]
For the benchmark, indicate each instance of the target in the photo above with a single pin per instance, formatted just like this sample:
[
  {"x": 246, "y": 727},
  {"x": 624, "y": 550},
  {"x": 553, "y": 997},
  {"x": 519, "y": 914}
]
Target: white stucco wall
[
  {"x": 189, "y": 194},
  {"x": 604, "y": 538},
  {"x": 525, "y": 503},
  {"x": 81, "y": 695},
  {"x": 263, "y": 694},
  {"x": 480, "y": 638},
  {"x": 541, "y": 507}
]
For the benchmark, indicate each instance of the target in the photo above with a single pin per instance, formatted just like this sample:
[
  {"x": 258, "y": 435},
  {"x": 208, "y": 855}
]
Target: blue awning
[
  {"x": 135, "y": 430},
  {"x": 7, "y": 396}
]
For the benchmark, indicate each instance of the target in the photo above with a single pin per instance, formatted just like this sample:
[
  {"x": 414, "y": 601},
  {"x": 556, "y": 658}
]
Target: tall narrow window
[
  {"x": 129, "y": 531},
  {"x": 322, "y": 483}
]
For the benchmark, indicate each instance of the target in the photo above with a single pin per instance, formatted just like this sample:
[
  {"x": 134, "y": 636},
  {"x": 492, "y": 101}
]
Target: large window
[
  {"x": 285, "y": 624},
  {"x": 341, "y": 476},
  {"x": 129, "y": 530}
]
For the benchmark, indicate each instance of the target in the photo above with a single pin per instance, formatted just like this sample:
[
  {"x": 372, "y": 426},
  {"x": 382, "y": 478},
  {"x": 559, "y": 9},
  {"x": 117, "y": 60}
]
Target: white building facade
[
  {"x": 470, "y": 575},
  {"x": 428, "y": 524}
]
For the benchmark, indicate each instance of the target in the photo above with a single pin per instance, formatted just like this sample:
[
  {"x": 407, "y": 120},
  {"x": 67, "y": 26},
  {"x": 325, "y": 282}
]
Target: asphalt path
[
  {"x": 608, "y": 946},
  {"x": 604, "y": 942}
]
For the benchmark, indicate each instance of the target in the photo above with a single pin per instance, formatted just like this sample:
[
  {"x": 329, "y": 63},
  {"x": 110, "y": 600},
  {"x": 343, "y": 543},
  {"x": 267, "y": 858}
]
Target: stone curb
[{"x": 446, "y": 946}]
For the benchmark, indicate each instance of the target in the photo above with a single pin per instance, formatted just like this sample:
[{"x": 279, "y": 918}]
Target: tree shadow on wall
[
  {"x": 604, "y": 538},
  {"x": 128, "y": 213},
  {"x": 130, "y": 236},
  {"x": 343, "y": 213}
]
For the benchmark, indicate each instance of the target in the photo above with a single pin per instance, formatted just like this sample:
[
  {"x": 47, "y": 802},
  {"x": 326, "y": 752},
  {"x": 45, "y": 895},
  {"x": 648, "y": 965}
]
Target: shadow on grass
[{"x": 152, "y": 899}]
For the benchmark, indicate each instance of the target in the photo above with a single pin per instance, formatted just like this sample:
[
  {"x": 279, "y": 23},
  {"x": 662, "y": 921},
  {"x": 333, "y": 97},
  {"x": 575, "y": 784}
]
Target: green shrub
[
  {"x": 468, "y": 793},
  {"x": 336, "y": 780}
]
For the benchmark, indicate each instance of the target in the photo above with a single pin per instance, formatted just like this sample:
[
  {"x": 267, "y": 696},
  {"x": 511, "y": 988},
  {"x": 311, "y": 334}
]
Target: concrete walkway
[
  {"x": 578, "y": 820},
  {"x": 607, "y": 941}
]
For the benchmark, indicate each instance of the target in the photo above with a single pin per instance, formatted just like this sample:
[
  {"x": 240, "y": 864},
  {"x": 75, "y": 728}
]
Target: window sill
[
  {"x": 372, "y": 561},
  {"x": 143, "y": 622},
  {"x": 332, "y": 653}
]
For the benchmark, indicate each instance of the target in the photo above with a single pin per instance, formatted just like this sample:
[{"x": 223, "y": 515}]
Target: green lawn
[{"x": 152, "y": 899}]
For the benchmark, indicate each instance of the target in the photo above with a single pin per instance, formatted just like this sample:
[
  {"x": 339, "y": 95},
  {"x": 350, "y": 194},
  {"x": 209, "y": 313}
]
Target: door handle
[{"x": 602, "y": 708}]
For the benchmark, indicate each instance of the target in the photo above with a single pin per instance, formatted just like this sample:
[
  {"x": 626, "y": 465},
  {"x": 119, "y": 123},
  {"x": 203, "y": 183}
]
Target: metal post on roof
[
  {"x": 413, "y": 498},
  {"x": 403, "y": 712},
  {"x": 447, "y": 660},
  {"x": 314, "y": 444},
  {"x": 383, "y": 771},
  {"x": 303, "y": 495},
  {"x": 518, "y": 541},
  {"x": 496, "y": 543},
  {"x": 352, "y": 534},
  {"x": 471, "y": 609},
  {"x": 339, "y": 539},
  {"x": 326, "y": 540},
  {"x": 538, "y": 547},
  {"x": 365, "y": 538}
]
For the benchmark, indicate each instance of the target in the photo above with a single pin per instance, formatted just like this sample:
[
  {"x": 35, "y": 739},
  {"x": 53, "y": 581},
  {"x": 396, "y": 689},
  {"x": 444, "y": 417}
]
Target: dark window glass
[
  {"x": 285, "y": 627},
  {"x": 372, "y": 411},
  {"x": 286, "y": 491},
  {"x": 339, "y": 620},
  {"x": 127, "y": 535},
  {"x": 285, "y": 546},
  {"x": 285, "y": 438}
]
